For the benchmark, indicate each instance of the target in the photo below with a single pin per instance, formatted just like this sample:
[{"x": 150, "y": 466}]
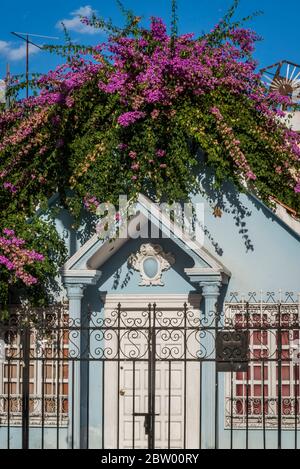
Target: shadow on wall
[
  {"x": 260, "y": 206},
  {"x": 76, "y": 233},
  {"x": 226, "y": 200}
]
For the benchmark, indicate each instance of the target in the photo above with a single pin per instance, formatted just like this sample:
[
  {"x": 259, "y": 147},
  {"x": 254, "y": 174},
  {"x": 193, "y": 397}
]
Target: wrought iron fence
[
  {"x": 153, "y": 378},
  {"x": 266, "y": 395}
]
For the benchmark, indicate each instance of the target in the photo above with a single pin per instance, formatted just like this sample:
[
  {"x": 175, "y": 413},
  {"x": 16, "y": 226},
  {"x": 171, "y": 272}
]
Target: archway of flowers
[{"x": 130, "y": 116}]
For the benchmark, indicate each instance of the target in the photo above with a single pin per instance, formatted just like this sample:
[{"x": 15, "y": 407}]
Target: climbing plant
[{"x": 145, "y": 111}]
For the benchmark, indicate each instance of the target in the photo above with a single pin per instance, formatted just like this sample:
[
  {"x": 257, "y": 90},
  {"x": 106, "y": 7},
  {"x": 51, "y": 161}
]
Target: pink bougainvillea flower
[
  {"x": 16, "y": 258},
  {"x": 251, "y": 175},
  {"x": 10, "y": 187},
  {"x": 297, "y": 188},
  {"x": 8, "y": 232},
  {"x": 216, "y": 112},
  {"x": 91, "y": 202},
  {"x": 155, "y": 114},
  {"x": 161, "y": 153},
  {"x": 129, "y": 118},
  {"x": 156, "y": 94}
]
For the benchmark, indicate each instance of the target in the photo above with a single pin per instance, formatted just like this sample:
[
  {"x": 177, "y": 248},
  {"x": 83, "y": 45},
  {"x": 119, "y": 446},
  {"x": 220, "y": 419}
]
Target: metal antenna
[
  {"x": 37, "y": 35},
  {"x": 25, "y": 37}
]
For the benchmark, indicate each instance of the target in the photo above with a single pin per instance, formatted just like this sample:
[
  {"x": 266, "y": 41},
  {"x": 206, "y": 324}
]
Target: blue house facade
[{"x": 168, "y": 340}]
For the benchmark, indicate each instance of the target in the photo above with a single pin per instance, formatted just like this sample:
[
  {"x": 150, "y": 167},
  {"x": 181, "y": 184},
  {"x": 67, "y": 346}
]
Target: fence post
[
  {"x": 25, "y": 385},
  {"x": 210, "y": 291},
  {"x": 75, "y": 294}
]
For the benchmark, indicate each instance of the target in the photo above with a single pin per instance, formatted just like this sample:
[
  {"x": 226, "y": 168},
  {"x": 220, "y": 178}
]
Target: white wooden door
[{"x": 177, "y": 387}]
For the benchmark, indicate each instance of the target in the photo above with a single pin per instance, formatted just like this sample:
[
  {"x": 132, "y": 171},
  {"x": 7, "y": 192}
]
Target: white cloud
[
  {"x": 74, "y": 23},
  {"x": 13, "y": 53}
]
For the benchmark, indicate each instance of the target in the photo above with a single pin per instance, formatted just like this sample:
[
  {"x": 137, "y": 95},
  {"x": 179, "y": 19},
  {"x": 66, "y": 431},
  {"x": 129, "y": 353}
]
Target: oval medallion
[{"x": 151, "y": 267}]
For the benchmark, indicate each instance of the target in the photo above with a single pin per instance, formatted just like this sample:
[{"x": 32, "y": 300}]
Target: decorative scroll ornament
[{"x": 151, "y": 261}]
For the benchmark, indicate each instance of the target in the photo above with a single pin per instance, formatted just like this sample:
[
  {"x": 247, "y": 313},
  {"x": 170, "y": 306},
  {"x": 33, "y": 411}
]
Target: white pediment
[{"x": 95, "y": 252}]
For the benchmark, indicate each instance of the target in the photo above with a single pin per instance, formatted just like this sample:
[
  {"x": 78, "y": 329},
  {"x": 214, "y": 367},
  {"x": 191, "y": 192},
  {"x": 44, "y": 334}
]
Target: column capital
[
  {"x": 75, "y": 291},
  {"x": 211, "y": 289}
]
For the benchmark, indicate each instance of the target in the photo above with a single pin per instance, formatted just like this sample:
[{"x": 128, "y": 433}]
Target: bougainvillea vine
[{"x": 132, "y": 114}]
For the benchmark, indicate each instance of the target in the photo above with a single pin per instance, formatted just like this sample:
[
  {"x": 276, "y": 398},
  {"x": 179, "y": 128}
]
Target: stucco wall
[{"x": 260, "y": 251}]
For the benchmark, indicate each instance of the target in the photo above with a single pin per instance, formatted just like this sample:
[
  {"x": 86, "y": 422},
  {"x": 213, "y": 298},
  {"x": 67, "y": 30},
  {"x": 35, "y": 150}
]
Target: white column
[
  {"x": 210, "y": 291},
  {"x": 75, "y": 294}
]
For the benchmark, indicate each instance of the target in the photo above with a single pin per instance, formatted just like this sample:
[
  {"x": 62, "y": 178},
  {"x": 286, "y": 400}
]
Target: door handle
[{"x": 147, "y": 423}]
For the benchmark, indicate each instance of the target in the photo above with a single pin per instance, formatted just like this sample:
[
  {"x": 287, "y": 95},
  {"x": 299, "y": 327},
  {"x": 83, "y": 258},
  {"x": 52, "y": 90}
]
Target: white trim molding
[
  {"x": 93, "y": 254},
  {"x": 168, "y": 301},
  {"x": 82, "y": 276}
]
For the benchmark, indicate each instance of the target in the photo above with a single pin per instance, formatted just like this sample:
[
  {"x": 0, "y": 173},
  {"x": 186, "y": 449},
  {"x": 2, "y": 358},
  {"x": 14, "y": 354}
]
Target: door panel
[{"x": 177, "y": 386}]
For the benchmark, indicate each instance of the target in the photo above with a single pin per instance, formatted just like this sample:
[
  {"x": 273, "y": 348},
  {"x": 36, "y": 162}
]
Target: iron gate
[{"x": 155, "y": 378}]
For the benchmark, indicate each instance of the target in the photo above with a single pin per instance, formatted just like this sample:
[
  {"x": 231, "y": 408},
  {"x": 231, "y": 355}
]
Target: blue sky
[{"x": 279, "y": 25}]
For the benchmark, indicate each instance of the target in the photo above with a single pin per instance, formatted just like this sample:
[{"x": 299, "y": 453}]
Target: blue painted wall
[
  {"x": 118, "y": 277},
  {"x": 258, "y": 249}
]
